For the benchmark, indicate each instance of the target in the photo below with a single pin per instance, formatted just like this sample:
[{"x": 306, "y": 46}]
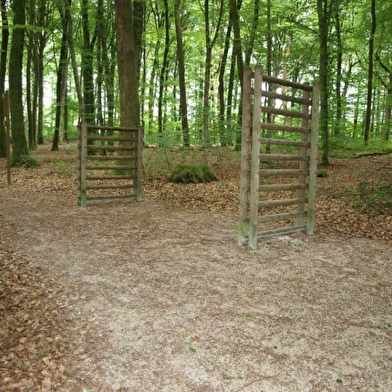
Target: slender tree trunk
[
  {"x": 181, "y": 74},
  {"x": 368, "y": 114},
  {"x": 3, "y": 71},
  {"x": 61, "y": 83},
  {"x": 322, "y": 12},
  {"x": 339, "y": 65},
  {"x": 164, "y": 71},
  {"x": 19, "y": 142}
]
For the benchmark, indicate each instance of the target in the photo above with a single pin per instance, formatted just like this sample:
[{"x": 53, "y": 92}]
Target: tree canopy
[{"x": 175, "y": 67}]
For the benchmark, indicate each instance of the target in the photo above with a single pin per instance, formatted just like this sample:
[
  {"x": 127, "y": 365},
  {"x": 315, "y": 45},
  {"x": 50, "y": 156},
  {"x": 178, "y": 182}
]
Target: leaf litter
[{"x": 158, "y": 296}]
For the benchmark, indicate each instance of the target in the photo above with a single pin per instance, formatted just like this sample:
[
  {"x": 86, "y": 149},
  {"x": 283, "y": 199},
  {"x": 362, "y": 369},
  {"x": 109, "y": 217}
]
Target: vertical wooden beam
[
  {"x": 82, "y": 197},
  {"x": 303, "y": 165},
  {"x": 245, "y": 158},
  {"x": 255, "y": 160},
  {"x": 6, "y": 112},
  {"x": 137, "y": 183},
  {"x": 313, "y": 158}
]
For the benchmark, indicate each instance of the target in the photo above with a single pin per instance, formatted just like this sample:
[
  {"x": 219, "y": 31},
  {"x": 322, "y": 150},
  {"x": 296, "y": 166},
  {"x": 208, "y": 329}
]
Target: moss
[{"x": 191, "y": 174}]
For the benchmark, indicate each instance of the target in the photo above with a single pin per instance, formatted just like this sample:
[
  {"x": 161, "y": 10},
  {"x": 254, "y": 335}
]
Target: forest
[{"x": 175, "y": 67}]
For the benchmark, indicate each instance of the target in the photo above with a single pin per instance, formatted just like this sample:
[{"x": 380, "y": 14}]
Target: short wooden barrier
[
  {"x": 110, "y": 163},
  {"x": 275, "y": 182}
]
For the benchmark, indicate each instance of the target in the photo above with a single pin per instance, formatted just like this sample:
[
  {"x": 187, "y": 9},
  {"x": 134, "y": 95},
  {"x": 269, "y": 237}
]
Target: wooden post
[
  {"x": 255, "y": 160},
  {"x": 303, "y": 165},
  {"x": 82, "y": 199},
  {"x": 7, "y": 134},
  {"x": 313, "y": 158},
  {"x": 139, "y": 165},
  {"x": 245, "y": 158}
]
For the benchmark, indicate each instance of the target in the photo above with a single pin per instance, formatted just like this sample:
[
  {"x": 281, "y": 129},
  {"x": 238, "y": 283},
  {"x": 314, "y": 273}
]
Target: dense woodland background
[{"x": 175, "y": 67}]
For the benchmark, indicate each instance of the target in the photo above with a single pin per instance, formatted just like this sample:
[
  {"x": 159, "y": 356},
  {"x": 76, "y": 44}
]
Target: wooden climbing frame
[
  {"x": 110, "y": 163},
  {"x": 278, "y": 158}
]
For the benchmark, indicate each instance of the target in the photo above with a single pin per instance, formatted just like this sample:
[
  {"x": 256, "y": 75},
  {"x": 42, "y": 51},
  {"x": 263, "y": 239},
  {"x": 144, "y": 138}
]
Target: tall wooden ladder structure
[
  {"x": 110, "y": 163},
  {"x": 278, "y": 158}
]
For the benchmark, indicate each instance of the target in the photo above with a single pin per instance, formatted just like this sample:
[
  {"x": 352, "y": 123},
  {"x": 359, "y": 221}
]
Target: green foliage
[
  {"x": 192, "y": 174},
  {"x": 375, "y": 199},
  {"x": 26, "y": 161}
]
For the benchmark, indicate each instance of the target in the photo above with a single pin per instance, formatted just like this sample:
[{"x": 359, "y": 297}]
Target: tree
[
  {"x": 129, "y": 19},
  {"x": 3, "y": 70},
  {"x": 181, "y": 74},
  {"x": 366, "y": 133},
  {"x": 19, "y": 142}
]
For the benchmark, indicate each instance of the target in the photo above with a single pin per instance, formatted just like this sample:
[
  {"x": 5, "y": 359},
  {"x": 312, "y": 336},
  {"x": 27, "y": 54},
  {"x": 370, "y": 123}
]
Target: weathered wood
[
  {"x": 313, "y": 158},
  {"x": 112, "y": 197},
  {"x": 284, "y": 142},
  {"x": 282, "y": 231},
  {"x": 137, "y": 185},
  {"x": 284, "y": 157},
  {"x": 284, "y": 128},
  {"x": 282, "y": 172},
  {"x": 108, "y": 138},
  {"x": 245, "y": 159},
  {"x": 287, "y": 83},
  {"x": 279, "y": 217},
  {"x": 110, "y": 128},
  {"x": 111, "y": 158},
  {"x": 82, "y": 197},
  {"x": 302, "y": 164},
  {"x": 283, "y": 112},
  {"x": 284, "y": 97},
  {"x": 98, "y": 187},
  {"x": 110, "y": 148},
  {"x": 282, "y": 187},
  {"x": 115, "y": 167},
  {"x": 99, "y": 178},
  {"x": 255, "y": 160},
  {"x": 281, "y": 202}
]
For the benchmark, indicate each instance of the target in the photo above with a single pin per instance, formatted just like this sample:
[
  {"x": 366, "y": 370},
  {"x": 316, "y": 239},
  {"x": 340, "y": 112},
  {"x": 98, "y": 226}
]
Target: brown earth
[{"x": 158, "y": 296}]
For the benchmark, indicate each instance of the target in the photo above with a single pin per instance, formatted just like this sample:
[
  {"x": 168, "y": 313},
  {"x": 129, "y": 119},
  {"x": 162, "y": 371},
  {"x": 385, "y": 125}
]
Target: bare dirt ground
[{"x": 158, "y": 296}]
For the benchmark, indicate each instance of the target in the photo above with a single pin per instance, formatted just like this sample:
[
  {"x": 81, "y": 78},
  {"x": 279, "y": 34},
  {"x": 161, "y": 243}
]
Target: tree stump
[{"x": 191, "y": 174}]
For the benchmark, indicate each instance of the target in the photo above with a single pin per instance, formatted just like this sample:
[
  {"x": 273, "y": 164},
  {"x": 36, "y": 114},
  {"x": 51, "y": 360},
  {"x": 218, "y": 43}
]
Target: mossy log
[{"x": 191, "y": 174}]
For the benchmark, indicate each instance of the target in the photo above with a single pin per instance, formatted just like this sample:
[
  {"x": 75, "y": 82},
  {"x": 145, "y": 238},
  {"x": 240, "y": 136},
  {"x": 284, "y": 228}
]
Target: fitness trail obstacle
[
  {"x": 278, "y": 185},
  {"x": 110, "y": 163}
]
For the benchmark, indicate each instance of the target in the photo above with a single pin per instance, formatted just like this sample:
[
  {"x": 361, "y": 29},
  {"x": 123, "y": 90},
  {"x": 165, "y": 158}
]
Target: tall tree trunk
[
  {"x": 366, "y": 133},
  {"x": 339, "y": 65},
  {"x": 164, "y": 71},
  {"x": 181, "y": 74},
  {"x": 209, "y": 45},
  {"x": 3, "y": 71},
  {"x": 61, "y": 83},
  {"x": 323, "y": 18},
  {"x": 19, "y": 142},
  {"x": 128, "y": 62}
]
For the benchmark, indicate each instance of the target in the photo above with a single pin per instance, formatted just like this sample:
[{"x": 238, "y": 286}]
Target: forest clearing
[{"x": 157, "y": 295}]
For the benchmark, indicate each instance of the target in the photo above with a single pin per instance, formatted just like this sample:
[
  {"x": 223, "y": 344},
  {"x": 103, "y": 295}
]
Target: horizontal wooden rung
[
  {"x": 282, "y": 202},
  {"x": 283, "y": 172},
  {"x": 278, "y": 217},
  {"x": 109, "y": 197},
  {"x": 94, "y": 187},
  {"x": 286, "y": 98},
  {"x": 282, "y": 187},
  {"x": 110, "y": 148},
  {"x": 282, "y": 231},
  {"x": 288, "y": 83},
  {"x": 110, "y": 158},
  {"x": 118, "y": 167},
  {"x": 103, "y": 178},
  {"x": 283, "y": 142},
  {"x": 109, "y": 138},
  {"x": 286, "y": 113},
  {"x": 110, "y": 128},
  {"x": 284, "y": 128},
  {"x": 283, "y": 157}
]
